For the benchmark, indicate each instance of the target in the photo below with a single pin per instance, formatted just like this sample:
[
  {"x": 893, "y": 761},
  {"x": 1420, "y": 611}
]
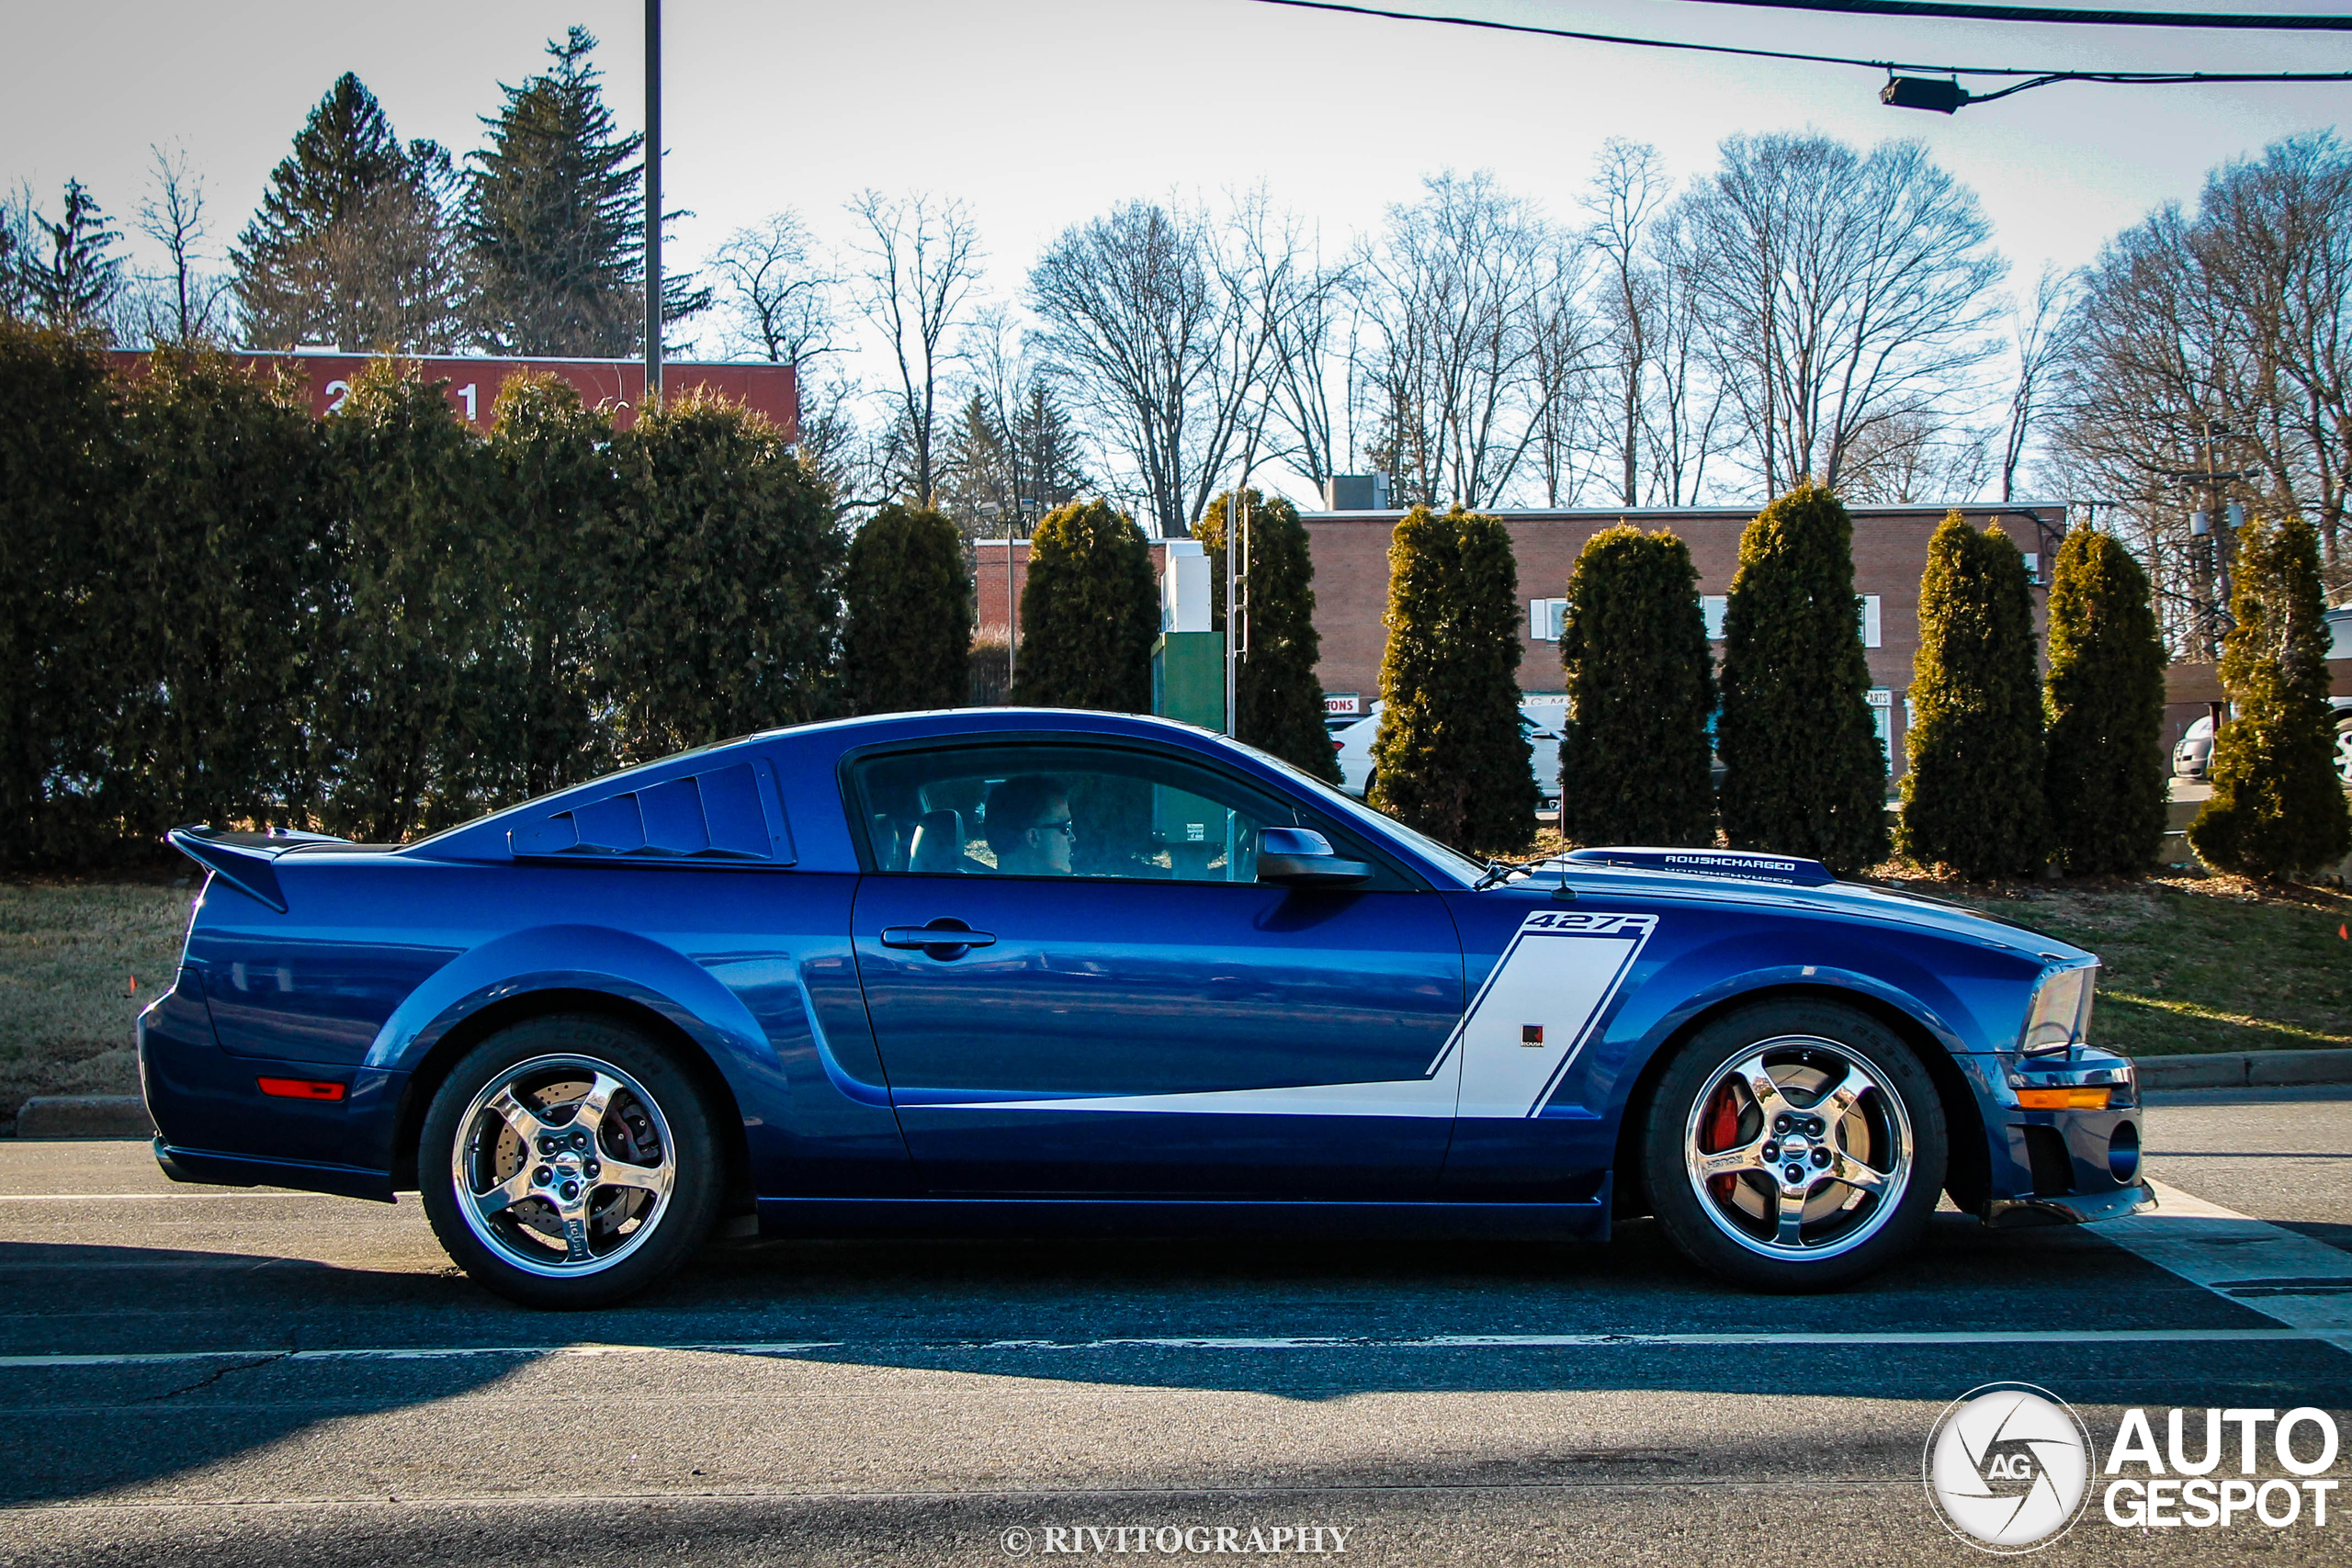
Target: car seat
[{"x": 938, "y": 844}]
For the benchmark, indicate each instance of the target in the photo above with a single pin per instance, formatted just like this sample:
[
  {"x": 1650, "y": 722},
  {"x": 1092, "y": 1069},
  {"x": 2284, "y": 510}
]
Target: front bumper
[{"x": 2063, "y": 1166}]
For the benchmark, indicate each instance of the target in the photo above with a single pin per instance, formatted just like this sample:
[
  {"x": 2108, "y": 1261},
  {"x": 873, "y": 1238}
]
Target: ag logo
[{"x": 2007, "y": 1467}]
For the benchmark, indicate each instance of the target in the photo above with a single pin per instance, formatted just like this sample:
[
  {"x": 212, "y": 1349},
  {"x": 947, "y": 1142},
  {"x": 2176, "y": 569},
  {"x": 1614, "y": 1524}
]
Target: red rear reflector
[{"x": 300, "y": 1089}]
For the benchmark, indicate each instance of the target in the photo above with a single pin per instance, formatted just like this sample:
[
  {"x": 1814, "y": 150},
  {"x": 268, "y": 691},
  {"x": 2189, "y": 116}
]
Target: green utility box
[{"x": 1188, "y": 677}]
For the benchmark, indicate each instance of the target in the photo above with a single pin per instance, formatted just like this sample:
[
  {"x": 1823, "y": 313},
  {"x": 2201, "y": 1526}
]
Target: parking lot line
[{"x": 787, "y": 1347}]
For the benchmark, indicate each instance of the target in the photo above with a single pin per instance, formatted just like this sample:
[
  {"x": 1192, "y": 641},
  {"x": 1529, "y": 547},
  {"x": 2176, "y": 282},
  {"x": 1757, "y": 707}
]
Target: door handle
[{"x": 939, "y": 939}]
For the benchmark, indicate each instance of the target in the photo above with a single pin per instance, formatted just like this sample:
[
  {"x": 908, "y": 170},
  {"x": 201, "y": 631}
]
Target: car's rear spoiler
[
  {"x": 1740, "y": 864},
  {"x": 243, "y": 859}
]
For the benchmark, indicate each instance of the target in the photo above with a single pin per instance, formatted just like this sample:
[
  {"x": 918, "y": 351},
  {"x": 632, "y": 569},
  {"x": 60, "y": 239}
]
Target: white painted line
[
  {"x": 2290, "y": 1278},
  {"x": 1864, "y": 1341},
  {"x": 158, "y": 1196}
]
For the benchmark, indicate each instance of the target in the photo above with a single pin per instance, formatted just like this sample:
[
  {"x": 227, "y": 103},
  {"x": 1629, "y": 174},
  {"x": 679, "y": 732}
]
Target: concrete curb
[
  {"x": 84, "y": 1116},
  {"x": 2245, "y": 1070}
]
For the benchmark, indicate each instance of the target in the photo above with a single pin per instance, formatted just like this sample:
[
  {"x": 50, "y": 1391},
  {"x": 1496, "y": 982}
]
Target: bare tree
[
  {"x": 2039, "y": 335},
  {"x": 1630, "y": 189},
  {"x": 1458, "y": 289},
  {"x": 1841, "y": 289},
  {"x": 776, "y": 298},
  {"x": 1684, "y": 414},
  {"x": 186, "y": 305},
  {"x": 921, "y": 261},
  {"x": 1312, "y": 422},
  {"x": 1912, "y": 458},
  {"x": 1164, "y": 324}
]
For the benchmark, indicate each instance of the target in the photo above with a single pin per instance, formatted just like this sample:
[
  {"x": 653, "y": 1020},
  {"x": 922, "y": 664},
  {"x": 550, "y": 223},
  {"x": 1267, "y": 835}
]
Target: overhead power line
[
  {"x": 2255, "y": 22},
  {"x": 1952, "y": 97}
]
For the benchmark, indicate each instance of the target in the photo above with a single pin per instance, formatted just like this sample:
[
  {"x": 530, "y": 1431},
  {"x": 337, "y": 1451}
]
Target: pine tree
[
  {"x": 1634, "y": 764},
  {"x": 1279, "y": 698},
  {"x": 1089, "y": 614},
  {"x": 557, "y": 489},
  {"x": 554, "y": 216},
  {"x": 1973, "y": 798},
  {"x": 405, "y": 698},
  {"x": 1803, "y": 773},
  {"x": 2277, "y": 808},
  {"x": 352, "y": 244},
  {"x": 1450, "y": 759},
  {"x": 726, "y": 557},
  {"x": 70, "y": 281},
  {"x": 908, "y": 643},
  {"x": 2105, "y": 698}
]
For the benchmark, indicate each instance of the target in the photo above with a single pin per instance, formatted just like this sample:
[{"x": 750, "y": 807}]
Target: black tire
[
  {"x": 1781, "y": 1168},
  {"x": 550, "y": 1225}
]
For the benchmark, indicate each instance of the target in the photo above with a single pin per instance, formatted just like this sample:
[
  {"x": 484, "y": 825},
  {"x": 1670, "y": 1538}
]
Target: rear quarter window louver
[{"x": 731, "y": 816}]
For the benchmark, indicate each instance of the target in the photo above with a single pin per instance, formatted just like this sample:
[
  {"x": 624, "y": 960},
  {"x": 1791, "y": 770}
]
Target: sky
[{"x": 1041, "y": 113}]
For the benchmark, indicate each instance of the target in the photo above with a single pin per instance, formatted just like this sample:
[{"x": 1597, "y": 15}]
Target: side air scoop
[{"x": 243, "y": 860}]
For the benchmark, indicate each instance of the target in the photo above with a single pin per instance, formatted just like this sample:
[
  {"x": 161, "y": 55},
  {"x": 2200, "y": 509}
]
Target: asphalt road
[{"x": 200, "y": 1376}]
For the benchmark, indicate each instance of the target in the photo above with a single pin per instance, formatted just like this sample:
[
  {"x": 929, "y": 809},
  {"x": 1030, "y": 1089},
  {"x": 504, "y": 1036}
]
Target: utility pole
[
  {"x": 652, "y": 203},
  {"x": 1236, "y": 637}
]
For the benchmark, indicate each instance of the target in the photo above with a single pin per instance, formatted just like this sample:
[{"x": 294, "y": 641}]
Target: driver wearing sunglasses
[{"x": 1029, "y": 828}]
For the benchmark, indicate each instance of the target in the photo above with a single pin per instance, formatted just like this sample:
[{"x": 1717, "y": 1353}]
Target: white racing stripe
[
  {"x": 787, "y": 1347},
  {"x": 2290, "y": 1278}
]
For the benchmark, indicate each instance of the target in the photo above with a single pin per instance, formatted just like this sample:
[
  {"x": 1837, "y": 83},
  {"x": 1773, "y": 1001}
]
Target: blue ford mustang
[{"x": 1022, "y": 968}]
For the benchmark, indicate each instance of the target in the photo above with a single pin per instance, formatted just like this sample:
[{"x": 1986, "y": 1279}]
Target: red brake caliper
[{"x": 1723, "y": 1126}]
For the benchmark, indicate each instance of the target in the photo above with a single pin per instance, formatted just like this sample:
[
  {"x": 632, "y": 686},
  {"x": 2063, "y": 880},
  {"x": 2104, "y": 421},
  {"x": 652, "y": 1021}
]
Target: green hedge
[{"x": 213, "y": 608}]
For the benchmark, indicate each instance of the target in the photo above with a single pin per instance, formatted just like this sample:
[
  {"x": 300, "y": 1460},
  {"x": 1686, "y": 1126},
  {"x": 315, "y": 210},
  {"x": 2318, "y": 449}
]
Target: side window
[{"x": 1060, "y": 810}]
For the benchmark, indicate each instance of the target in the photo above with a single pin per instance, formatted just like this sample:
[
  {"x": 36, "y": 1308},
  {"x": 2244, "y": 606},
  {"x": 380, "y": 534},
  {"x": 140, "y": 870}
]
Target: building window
[
  {"x": 1870, "y": 620},
  {"x": 1881, "y": 701},
  {"x": 1543, "y": 617},
  {"x": 1714, "y": 607}
]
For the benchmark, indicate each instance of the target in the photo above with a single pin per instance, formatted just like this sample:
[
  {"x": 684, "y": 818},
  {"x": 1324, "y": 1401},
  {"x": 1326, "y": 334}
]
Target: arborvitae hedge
[
  {"x": 1635, "y": 756},
  {"x": 726, "y": 560},
  {"x": 2105, "y": 773},
  {"x": 408, "y": 688},
  {"x": 60, "y": 464},
  {"x": 556, "y": 490},
  {"x": 213, "y": 598},
  {"x": 1803, "y": 773},
  {"x": 1280, "y": 700},
  {"x": 908, "y": 644},
  {"x": 2277, "y": 808},
  {"x": 1450, "y": 759},
  {"x": 1973, "y": 798},
  {"x": 1089, "y": 614}
]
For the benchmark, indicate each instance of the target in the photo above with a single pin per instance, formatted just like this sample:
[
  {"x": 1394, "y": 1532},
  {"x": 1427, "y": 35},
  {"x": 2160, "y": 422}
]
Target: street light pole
[{"x": 652, "y": 203}]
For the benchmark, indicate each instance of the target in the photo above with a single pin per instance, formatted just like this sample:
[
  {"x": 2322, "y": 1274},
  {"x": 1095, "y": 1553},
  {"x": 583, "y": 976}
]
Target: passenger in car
[{"x": 1029, "y": 828}]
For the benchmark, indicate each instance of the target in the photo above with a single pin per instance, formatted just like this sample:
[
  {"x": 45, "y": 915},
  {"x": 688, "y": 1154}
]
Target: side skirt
[
  {"x": 849, "y": 1217},
  {"x": 207, "y": 1168}
]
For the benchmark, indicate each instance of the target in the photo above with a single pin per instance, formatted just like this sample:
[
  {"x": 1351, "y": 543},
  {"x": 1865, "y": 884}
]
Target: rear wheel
[
  {"x": 2344, "y": 750},
  {"x": 1794, "y": 1145},
  {"x": 568, "y": 1161}
]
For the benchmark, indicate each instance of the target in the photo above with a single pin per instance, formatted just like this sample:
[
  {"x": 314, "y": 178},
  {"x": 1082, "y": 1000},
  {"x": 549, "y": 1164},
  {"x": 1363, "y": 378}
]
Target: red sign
[{"x": 472, "y": 384}]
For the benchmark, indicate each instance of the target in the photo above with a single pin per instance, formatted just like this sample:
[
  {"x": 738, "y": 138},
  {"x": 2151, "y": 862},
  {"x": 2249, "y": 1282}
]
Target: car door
[{"x": 1078, "y": 986}]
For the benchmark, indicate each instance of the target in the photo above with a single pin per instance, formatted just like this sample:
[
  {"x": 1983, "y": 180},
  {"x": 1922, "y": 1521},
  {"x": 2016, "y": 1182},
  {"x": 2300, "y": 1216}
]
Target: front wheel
[
  {"x": 2344, "y": 750},
  {"x": 567, "y": 1161},
  {"x": 1794, "y": 1145}
]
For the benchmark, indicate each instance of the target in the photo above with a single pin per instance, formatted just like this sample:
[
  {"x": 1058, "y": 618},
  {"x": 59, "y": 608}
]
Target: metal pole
[
  {"x": 1011, "y": 615},
  {"x": 652, "y": 202},
  {"x": 1232, "y": 527}
]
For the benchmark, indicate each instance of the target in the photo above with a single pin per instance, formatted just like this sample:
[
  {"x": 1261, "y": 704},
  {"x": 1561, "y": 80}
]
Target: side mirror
[{"x": 1300, "y": 857}]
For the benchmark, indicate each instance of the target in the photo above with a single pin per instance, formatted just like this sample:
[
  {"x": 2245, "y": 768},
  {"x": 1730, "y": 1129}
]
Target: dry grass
[
  {"x": 2190, "y": 964},
  {"x": 69, "y": 953}
]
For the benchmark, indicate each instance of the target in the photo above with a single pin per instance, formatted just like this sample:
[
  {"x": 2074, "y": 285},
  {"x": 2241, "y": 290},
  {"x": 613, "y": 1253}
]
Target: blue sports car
[{"x": 1019, "y": 969}]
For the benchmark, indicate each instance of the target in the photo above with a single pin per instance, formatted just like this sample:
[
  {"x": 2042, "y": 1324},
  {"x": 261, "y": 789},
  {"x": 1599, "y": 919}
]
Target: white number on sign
[
  {"x": 467, "y": 392},
  {"x": 336, "y": 392}
]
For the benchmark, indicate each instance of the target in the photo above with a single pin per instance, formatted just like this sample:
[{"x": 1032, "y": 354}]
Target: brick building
[{"x": 1350, "y": 552}]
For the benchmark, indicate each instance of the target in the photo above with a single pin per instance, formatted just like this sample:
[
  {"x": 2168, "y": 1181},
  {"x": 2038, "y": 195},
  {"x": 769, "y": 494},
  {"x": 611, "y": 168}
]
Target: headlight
[{"x": 2061, "y": 1013}]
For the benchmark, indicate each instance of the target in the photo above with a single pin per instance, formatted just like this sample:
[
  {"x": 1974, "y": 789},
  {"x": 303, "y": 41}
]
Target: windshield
[{"x": 1453, "y": 861}]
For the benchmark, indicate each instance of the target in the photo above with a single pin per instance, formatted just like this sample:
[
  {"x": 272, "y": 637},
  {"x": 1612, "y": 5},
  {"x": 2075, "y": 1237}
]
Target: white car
[
  {"x": 1540, "y": 720},
  {"x": 2193, "y": 757}
]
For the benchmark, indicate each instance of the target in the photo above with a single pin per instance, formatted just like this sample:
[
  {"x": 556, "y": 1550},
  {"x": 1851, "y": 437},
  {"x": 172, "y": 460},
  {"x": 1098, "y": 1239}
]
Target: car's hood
[{"x": 1852, "y": 900}]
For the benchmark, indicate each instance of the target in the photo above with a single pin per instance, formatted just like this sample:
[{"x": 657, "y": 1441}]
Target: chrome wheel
[
  {"x": 563, "y": 1165},
  {"x": 2343, "y": 754},
  {"x": 1797, "y": 1149}
]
